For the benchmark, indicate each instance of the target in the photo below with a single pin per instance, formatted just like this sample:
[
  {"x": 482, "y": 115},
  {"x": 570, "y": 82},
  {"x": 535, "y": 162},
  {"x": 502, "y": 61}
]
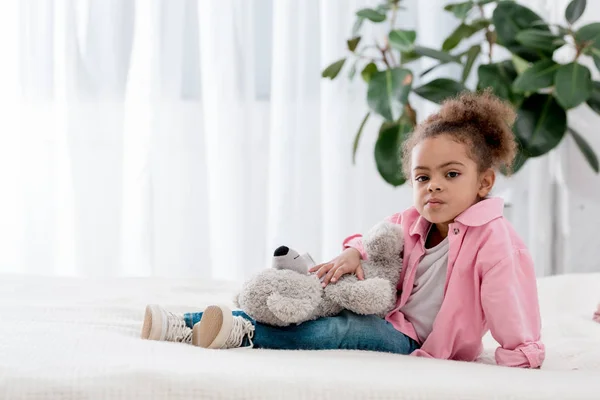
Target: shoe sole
[
  {"x": 153, "y": 328},
  {"x": 214, "y": 328}
]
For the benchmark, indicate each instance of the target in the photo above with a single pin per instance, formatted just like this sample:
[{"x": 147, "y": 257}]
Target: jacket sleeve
[
  {"x": 355, "y": 241},
  {"x": 510, "y": 303}
]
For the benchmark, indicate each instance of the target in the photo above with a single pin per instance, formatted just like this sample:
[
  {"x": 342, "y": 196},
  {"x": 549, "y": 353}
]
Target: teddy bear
[{"x": 288, "y": 294}]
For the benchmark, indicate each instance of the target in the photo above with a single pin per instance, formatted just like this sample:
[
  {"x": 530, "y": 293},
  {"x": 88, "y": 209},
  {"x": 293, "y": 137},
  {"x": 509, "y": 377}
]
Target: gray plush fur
[{"x": 283, "y": 297}]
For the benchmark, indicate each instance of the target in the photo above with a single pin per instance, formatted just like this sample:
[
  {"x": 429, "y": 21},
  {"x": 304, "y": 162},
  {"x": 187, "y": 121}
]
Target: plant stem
[
  {"x": 579, "y": 48},
  {"x": 383, "y": 53},
  {"x": 389, "y": 51},
  {"x": 393, "y": 20},
  {"x": 372, "y": 59},
  {"x": 488, "y": 34},
  {"x": 392, "y": 27},
  {"x": 579, "y": 51}
]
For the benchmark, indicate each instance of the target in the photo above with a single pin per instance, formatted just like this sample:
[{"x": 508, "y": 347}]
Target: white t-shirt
[{"x": 427, "y": 294}]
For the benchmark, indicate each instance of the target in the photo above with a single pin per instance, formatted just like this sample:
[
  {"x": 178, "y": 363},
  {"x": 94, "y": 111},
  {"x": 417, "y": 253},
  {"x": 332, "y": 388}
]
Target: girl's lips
[{"x": 434, "y": 203}]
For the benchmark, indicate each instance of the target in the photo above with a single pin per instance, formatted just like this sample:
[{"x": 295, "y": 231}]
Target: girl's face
[{"x": 446, "y": 180}]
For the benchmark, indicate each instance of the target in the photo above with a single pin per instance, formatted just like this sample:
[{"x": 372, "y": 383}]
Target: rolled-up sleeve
[
  {"x": 355, "y": 241},
  {"x": 510, "y": 303}
]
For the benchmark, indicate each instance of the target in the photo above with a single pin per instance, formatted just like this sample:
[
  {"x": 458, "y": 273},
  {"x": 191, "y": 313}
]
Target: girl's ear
[{"x": 486, "y": 182}]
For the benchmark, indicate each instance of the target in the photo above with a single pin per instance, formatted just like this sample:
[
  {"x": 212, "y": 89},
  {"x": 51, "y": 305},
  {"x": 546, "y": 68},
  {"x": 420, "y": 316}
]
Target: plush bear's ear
[
  {"x": 383, "y": 241},
  {"x": 281, "y": 251}
]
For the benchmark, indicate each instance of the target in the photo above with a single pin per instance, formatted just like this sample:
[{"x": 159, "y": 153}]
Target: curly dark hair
[{"x": 480, "y": 120}]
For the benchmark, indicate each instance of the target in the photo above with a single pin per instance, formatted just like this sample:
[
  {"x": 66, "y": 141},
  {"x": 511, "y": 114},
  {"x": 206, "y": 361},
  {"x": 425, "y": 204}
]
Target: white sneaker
[
  {"x": 219, "y": 329},
  {"x": 160, "y": 324}
]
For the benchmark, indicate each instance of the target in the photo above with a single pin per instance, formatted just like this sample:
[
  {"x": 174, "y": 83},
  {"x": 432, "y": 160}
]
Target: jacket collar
[{"x": 478, "y": 214}]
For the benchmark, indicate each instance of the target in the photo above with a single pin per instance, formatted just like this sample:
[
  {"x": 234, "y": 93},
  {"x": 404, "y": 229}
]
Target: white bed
[{"x": 79, "y": 339}]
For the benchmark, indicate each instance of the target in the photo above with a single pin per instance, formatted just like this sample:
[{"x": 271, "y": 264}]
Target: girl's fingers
[
  {"x": 318, "y": 267},
  {"x": 324, "y": 269},
  {"x": 360, "y": 274},
  {"x": 329, "y": 275},
  {"x": 339, "y": 272}
]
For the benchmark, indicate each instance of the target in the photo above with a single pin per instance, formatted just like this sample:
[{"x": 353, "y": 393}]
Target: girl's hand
[{"x": 348, "y": 262}]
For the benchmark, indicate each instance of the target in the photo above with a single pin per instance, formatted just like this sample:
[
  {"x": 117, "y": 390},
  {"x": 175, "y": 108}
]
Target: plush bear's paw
[
  {"x": 371, "y": 296},
  {"x": 290, "y": 310}
]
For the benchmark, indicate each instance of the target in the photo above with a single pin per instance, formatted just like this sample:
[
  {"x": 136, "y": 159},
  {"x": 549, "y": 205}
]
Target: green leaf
[
  {"x": 333, "y": 69},
  {"x": 368, "y": 70},
  {"x": 371, "y": 15},
  {"x": 428, "y": 70},
  {"x": 402, "y": 40},
  {"x": 499, "y": 77},
  {"x": 574, "y": 10},
  {"x": 509, "y": 19},
  {"x": 573, "y": 85},
  {"x": 541, "y": 124},
  {"x": 388, "y": 150},
  {"x": 438, "y": 55},
  {"x": 471, "y": 57},
  {"x": 586, "y": 150},
  {"x": 594, "y": 100},
  {"x": 460, "y": 10},
  {"x": 480, "y": 23},
  {"x": 463, "y": 31},
  {"x": 540, "y": 75},
  {"x": 596, "y": 58},
  {"x": 440, "y": 89},
  {"x": 519, "y": 161},
  {"x": 520, "y": 64},
  {"x": 589, "y": 35},
  {"x": 357, "y": 137},
  {"x": 563, "y": 31},
  {"x": 388, "y": 92},
  {"x": 352, "y": 43},
  {"x": 538, "y": 40},
  {"x": 357, "y": 25},
  {"x": 408, "y": 56},
  {"x": 383, "y": 8}
]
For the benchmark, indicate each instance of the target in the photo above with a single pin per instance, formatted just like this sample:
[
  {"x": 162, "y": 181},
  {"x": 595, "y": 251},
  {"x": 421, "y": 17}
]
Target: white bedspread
[{"x": 79, "y": 339}]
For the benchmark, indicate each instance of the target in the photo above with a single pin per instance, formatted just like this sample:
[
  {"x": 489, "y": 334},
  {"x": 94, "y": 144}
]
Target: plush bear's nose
[{"x": 281, "y": 251}]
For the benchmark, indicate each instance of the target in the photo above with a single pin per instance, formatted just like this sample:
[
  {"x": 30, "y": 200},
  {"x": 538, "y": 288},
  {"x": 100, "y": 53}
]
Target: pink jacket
[{"x": 490, "y": 284}]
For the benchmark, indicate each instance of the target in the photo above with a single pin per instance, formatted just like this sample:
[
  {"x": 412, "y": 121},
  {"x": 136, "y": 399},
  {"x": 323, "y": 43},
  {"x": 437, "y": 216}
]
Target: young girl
[{"x": 465, "y": 269}]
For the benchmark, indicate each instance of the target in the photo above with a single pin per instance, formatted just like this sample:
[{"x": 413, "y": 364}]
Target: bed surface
[{"x": 64, "y": 338}]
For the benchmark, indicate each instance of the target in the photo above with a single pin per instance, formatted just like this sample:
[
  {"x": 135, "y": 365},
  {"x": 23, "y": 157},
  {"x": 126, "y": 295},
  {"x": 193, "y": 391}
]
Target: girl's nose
[{"x": 434, "y": 187}]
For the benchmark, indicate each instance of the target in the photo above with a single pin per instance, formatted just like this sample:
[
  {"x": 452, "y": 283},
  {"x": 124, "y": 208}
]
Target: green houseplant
[{"x": 541, "y": 89}]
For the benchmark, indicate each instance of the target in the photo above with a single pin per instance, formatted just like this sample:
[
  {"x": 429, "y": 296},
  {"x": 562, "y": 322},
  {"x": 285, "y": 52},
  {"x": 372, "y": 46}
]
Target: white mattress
[{"x": 79, "y": 339}]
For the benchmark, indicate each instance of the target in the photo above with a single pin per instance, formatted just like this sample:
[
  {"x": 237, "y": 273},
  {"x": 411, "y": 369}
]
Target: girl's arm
[
  {"x": 355, "y": 241},
  {"x": 510, "y": 303}
]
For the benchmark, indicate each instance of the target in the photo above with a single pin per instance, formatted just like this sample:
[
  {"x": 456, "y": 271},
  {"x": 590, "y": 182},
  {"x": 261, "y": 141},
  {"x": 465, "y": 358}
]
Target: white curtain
[{"x": 189, "y": 137}]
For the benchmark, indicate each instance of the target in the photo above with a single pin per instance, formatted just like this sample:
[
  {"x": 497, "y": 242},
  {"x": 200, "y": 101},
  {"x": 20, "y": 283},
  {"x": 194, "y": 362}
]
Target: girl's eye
[
  {"x": 421, "y": 178},
  {"x": 452, "y": 174}
]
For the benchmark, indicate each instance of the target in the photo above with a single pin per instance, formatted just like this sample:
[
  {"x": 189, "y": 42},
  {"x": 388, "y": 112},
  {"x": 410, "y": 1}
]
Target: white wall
[
  {"x": 555, "y": 199},
  {"x": 578, "y": 244}
]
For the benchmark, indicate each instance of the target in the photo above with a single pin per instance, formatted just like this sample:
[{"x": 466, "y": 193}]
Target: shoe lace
[
  {"x": 177, "y": 330},
  {"x": 241, "y": 328}
]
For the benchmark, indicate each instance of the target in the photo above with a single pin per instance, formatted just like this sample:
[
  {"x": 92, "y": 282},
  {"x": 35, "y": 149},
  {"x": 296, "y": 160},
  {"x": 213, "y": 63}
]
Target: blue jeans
[{"x": 344, "y": 331}]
